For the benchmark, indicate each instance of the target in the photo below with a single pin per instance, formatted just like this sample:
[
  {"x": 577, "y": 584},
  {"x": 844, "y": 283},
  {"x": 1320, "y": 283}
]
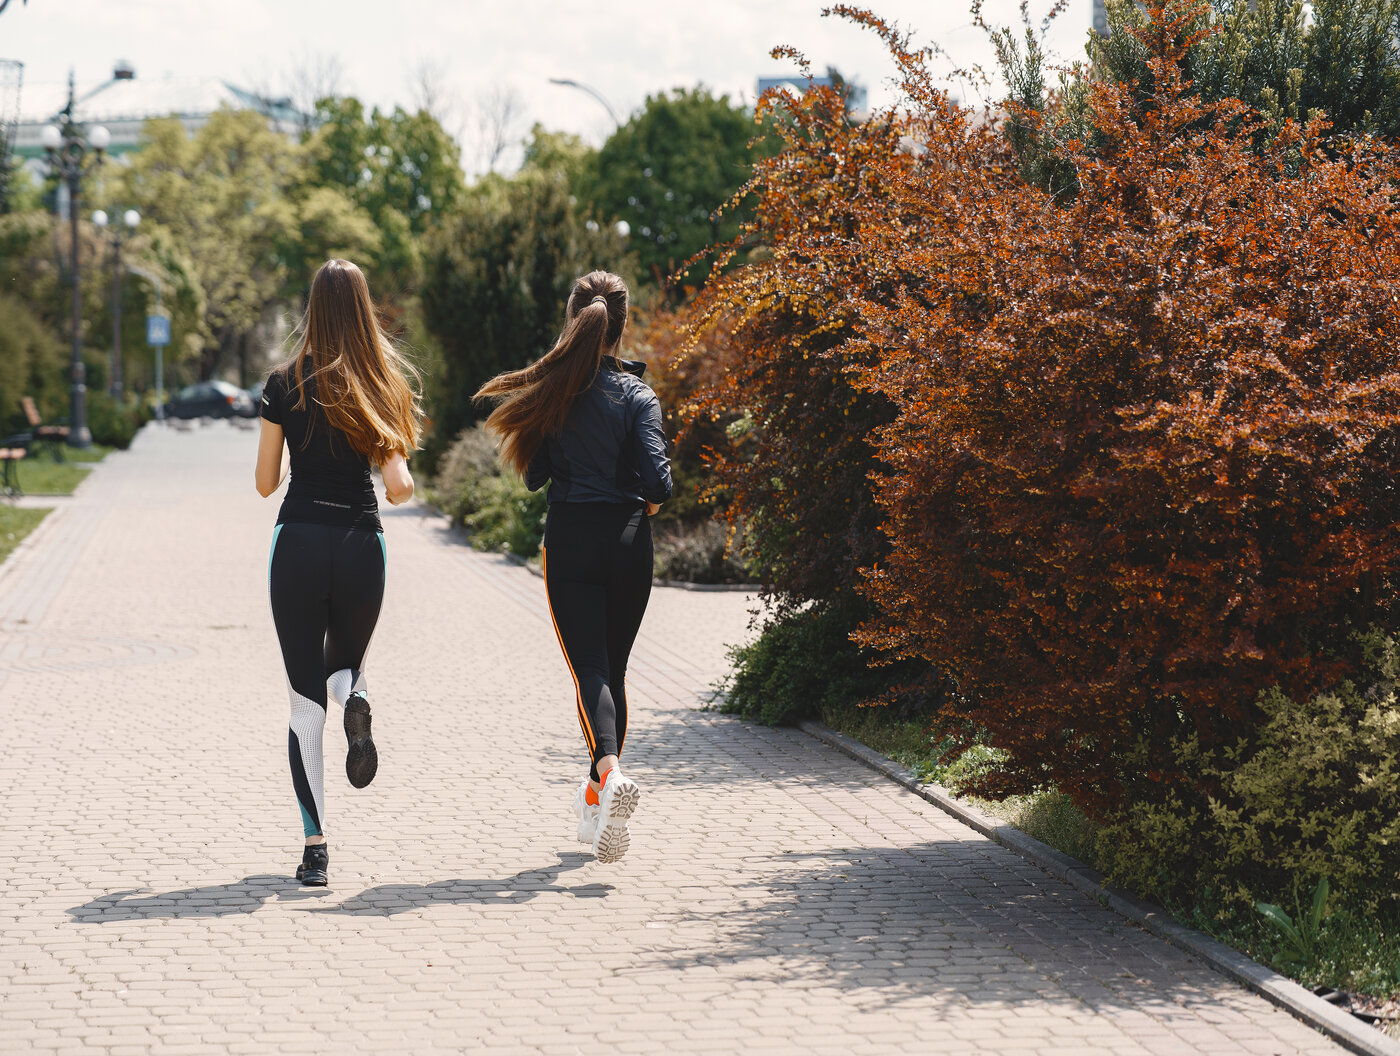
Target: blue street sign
[{"x": 157, "y": 329}]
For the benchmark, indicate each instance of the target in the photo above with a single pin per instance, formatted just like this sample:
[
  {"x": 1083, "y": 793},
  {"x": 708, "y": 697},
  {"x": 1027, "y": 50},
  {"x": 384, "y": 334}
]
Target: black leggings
[
  {"x": 597, "y": 565},
  {"x": 327, "y": 584}
]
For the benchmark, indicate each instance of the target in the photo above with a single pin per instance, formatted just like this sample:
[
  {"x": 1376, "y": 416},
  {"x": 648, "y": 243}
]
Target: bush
[
  {"x": 696, "y": 553},
  {"x": 114, "y": 422},
  {"x": 1142, "y": 464},
  {"x": 494, "y": 506},
  {"x": 1312, "y": 793},
  {"x": 803, "y": 664},
  {"x": 507, "y": 516}
]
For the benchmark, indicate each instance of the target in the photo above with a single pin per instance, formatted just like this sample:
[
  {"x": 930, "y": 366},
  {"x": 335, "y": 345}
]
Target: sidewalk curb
[{"x": 1340, "y": 1026}]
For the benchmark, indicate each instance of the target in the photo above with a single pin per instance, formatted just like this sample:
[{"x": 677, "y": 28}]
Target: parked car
[
  {"x": 211, "y": 399},
  {"x": 255, "y": 392}
]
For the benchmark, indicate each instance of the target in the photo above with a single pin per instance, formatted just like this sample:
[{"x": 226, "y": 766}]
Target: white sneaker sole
[{"x": 613, "y": 837}]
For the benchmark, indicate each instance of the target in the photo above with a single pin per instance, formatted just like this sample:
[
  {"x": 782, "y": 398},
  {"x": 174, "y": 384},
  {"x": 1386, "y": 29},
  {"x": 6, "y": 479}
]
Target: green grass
[
  {"x": 15, "y": 524},
  {"x": 40, "y": 476},
  {"x": 95, "y": 453}
]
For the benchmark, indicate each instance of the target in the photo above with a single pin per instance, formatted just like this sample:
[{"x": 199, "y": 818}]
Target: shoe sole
[
  {"x": 310, "y": 878},
  {"x": 361, "y": 762},
  {"x": 614, "y": 840}
]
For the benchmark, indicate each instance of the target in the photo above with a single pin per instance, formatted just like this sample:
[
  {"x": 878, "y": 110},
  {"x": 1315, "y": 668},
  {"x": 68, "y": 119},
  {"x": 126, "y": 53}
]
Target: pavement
[{"x": 778, "y": 897}]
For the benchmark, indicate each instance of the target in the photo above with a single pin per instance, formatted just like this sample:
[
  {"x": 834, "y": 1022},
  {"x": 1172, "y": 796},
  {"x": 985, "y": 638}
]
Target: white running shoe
[
  {"x": 616, "y": 803},
  {"x": 587, "y": 814}
]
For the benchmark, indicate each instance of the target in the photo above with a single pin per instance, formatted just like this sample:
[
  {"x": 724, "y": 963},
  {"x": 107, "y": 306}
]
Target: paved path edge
[{"x": 1341, "y": 1027}]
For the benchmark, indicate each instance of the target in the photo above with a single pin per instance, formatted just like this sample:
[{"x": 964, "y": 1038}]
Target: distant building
[
  {"x": 855, "y": 92},
  {"x": 1100, "y": 18},
  {"x": 124, "y": 103}
]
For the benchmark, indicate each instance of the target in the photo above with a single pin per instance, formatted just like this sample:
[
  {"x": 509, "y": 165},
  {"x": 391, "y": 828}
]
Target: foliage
[
  {"x": 775, "y": 678},
  {"x": 494, "y": 506},
  {"x": 1300, "y": 939},
  {"x": 1138, "y": 472},
  {"x": 497, "y": 273},
  {"x": 562, "y": 152},
  {"x": 507, "y": 516},
  {"x": 770, "y": 348},
  {"x": 401, "y": 170},
  {"x": 32, "y": 363},
  {"x": 1312, "y": 792},
  {"x": 235, "y": 198},
  {"x": 668, "y": 170},
  {"x": 695, "y": 552},
  {"x": 1289, "y": 60},
  {"x": 114, "y": 422}
]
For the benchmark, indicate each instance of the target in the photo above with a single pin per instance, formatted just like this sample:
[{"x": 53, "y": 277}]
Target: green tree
[
  {"x": 240, "y": 202},
  {"x": 564, "y": 152},
  {"x": 496, "y": 274},
  {"x": 32, "y": 362},
  {"x": 400, "y": 168},
  {"x": 1289, "y": 60},
  {"x": 668, "y": 171}
]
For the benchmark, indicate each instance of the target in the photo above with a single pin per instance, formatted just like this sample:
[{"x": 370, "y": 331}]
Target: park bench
[
  {"x": 53, "y": 435},
  {"x": 12, "y": 451}
]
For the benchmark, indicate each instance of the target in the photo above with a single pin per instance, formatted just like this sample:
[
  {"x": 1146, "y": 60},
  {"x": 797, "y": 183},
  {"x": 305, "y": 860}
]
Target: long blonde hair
[
  {"x": 362, "y": 380},
  {"x": 532, "y": 403}
]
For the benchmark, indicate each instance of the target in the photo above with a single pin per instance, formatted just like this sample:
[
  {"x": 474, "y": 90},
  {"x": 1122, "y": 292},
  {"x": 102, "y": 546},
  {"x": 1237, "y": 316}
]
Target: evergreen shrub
[
  {"x": 1311, "y": 793},
  {"x": 493, "y": 505}
]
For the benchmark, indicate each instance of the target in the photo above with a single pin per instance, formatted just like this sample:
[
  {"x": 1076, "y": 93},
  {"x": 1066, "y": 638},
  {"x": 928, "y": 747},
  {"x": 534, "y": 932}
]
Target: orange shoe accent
[
  {"x": 591, "y": 796},
  {"x": 603, "y": 776}
]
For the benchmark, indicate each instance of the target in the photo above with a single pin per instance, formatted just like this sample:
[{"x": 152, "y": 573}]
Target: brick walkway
[{"x": 778, "y": 897}]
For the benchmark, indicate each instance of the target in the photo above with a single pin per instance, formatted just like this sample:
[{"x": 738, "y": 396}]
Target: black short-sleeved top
[{"x": 331, "y": 482}]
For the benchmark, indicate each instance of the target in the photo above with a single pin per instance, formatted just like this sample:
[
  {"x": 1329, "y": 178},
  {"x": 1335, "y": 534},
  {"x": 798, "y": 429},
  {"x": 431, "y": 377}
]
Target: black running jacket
[{"x": 612, "y": 448}]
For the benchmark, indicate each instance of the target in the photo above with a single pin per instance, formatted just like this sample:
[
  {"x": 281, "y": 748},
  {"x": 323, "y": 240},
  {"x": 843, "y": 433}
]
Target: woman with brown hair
[
  {"x": 583, "y": 420},
  {"x": 341, "y": 405}
]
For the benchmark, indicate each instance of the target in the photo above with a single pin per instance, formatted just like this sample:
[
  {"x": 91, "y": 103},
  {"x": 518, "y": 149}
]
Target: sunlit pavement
[{"x": 778, "y": 897}]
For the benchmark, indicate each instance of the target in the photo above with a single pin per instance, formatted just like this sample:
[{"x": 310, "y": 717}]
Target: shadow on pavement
[
  {"x": 959, "y": 921},
  {"x": 216, "y": 900},
  {"x": 252, "y": 892},
  {"x": 388, "y": 899}
]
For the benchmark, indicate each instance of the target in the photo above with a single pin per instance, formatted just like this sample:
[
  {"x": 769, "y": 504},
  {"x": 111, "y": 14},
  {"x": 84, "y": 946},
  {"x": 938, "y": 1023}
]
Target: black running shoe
[
  {"x": 314, "y": 861},
  {"x": 362, "y": 758}
]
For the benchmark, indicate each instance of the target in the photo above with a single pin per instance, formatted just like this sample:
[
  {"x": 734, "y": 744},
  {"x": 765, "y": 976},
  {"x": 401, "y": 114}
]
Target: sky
[{"x": 472, "y": 51}]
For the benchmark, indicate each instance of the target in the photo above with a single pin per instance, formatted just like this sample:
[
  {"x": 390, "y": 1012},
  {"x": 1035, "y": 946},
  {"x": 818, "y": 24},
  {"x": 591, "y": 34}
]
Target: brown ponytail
[{"x": 532, "y": 403}]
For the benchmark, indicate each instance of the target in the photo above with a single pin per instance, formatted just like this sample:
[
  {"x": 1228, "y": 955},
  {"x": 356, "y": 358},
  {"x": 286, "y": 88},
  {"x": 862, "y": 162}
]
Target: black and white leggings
[{"x": 326, "y": 585}]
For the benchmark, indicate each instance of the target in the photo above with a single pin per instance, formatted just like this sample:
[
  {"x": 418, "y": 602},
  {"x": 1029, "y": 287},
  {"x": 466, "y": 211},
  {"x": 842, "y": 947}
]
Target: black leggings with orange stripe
[{"x": 597, "y": 573}]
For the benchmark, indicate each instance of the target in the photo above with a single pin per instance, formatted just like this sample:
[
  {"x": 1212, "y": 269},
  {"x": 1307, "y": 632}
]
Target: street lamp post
[
  {"x": 130, "y": 219},
  {"x": 565, "y": 82},
  {"x": 67, "y": 149}
]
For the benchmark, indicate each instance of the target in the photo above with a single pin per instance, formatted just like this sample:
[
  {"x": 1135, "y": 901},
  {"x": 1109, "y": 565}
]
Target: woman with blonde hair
[
  {"x": 583, "y": 420},
  {"x": 341, "y": 405}
]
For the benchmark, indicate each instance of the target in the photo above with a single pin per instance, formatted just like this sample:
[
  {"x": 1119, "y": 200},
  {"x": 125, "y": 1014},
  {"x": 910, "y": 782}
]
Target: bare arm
[
  {"x": 273, "y": 458},
  {"x": 398, "y": 481}
]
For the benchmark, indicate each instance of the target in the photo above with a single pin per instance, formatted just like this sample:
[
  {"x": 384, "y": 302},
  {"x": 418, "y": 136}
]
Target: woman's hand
[
  {"x": 653, "y": 508},
  {"x": 398, "y": 482}
]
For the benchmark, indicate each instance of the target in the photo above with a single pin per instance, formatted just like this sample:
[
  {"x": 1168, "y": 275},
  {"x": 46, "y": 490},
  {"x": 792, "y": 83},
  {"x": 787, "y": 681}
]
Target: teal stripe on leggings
[{"x": 272, "y": 550}]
